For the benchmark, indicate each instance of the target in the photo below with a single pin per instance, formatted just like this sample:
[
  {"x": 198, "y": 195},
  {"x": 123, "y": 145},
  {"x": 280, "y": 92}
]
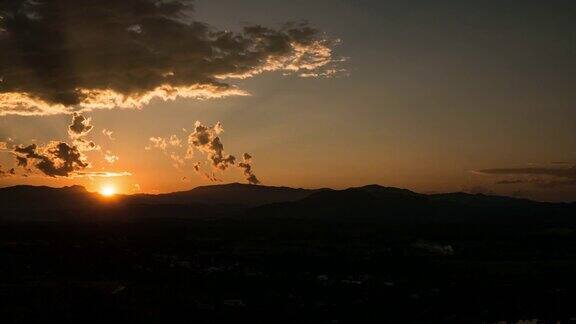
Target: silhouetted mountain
[
  {"x": 45, "y": 198},
  {"x": 481, "y": 199},
  {"x": 233, "y": 193},
  {"x": 371, "y": 203},
  {"x": 380, "y": 204},
  {"x": 380, "y": 191}
]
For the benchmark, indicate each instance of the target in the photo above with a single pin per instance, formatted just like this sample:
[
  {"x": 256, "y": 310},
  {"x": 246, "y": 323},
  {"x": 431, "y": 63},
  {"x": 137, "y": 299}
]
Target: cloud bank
[
  {"x": 545, "y": 177},
  {"x": 60, "y": 56}
]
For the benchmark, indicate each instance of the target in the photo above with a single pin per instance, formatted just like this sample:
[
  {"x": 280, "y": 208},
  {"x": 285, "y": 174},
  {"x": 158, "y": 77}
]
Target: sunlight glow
[{"x": 108, "y": 191}]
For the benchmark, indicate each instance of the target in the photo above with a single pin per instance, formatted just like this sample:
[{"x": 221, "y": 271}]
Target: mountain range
[{"x": 369, "y": 203}]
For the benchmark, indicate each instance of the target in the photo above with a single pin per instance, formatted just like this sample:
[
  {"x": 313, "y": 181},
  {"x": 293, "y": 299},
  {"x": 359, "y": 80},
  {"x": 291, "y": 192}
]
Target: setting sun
[{"x": 108, "y": 191}]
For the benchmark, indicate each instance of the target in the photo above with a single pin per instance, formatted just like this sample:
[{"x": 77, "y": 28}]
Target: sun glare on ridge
[{"x": 108, "y": 191}]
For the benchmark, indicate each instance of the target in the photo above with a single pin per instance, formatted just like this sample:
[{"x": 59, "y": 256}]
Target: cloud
[
  {"x": 210, "y": 177},
  {"x": 246, "y": 167},
  {"x": 60, "y": 56},
  {"x": 56, "y": 159},
  {"x": 206, "y": 140},
  {"x": 157, "y": 142},
  {"x": 512, "y": 181},
  {"x": 21, "y": 161},
  {"x": 85, "y": 145},
  {"x": 101, "y": 174},
  {"x": 60, "y": 159},
  {"x": 177, "y": 161},
  {"x": 174, "y": 140},
  {"x": 545, "y": 177},
  {"x": 111, "y": 158},
  {"x": 108, "y": 133},
  {"x": 8, "y": 173},
  {"x": 163, "y": 143},
  {"x": 3, "y": 146},
  {"x": 80, "y": 126}
]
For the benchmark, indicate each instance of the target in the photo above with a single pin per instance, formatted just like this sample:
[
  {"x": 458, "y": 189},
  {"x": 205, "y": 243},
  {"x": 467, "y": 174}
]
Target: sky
[{"x": 433, "y": 96}]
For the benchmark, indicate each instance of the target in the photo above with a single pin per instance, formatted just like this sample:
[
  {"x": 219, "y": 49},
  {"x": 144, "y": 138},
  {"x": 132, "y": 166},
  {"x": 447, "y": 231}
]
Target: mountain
[
  {"x": 371, "y": 203},
  {"x": 233, "y": 193},
  {"x": 378, "y": 204},
  {"x": 481, "y": 199},
  {"x": 375, "y": 203},
  {"x": 46, "y": 198}
]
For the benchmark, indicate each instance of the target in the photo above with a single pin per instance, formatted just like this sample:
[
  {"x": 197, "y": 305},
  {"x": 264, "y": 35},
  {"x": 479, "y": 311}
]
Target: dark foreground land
[{"x": 368, "y": 255}]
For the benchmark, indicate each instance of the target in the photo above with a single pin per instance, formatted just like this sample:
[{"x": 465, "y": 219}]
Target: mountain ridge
[
  {"x": 366, "y": 203},
  {"x": 374, "y": 189}
]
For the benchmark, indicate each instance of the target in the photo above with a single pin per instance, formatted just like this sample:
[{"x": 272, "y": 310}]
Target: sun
[{"x": 108, "y": 191}]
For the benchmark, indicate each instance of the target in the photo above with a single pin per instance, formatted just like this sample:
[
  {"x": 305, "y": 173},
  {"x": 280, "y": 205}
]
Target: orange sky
[{"x": 420, "y": 97}]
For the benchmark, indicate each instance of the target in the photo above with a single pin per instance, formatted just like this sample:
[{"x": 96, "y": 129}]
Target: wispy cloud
[
  {"x": 101, "y": 174},
  {"x": 108, "y": 133},
  {"x": 111, "y": 158},
  {"x": 546, "y": 177}
]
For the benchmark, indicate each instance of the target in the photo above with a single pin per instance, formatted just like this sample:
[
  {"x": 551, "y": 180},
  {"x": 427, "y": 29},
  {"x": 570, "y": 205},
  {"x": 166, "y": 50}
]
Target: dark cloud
[
  {"x": 60, "y": 159},
  {"x": 63, "y": 55},
  {"x": 246, "y": 167},
  {"x": 56, "y": 159},
  {"x": 21, "y": 161},
  {"x": 80, "y": 126},
  {"x": 7, "y": 173},
  {"x": 206, "y": 140},
  {"x": 545, "y": 177}
]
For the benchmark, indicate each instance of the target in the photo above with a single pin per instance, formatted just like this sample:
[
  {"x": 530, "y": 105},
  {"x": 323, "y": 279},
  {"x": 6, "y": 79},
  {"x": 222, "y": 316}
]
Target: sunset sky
[{"x": 433, "y": 96}]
